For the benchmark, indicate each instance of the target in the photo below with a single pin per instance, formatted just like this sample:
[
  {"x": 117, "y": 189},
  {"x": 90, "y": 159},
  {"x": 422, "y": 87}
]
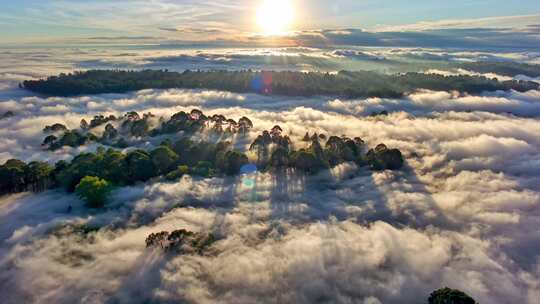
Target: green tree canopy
[
  {"x": 39, "y": 175},
  {"x": 140, "y": 166},
  {"x": 382, "y": 158},
  {"x": 305, "y": 161},
  {"x": 232, "y": 162},
  {"x": 12, "y": 176},
  {"x": 94, "y": 191},
  {"x": 163, "y": 159}
]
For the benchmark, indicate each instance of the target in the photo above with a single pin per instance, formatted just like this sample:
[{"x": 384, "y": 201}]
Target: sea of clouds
[{"x": 463, "y": 213}]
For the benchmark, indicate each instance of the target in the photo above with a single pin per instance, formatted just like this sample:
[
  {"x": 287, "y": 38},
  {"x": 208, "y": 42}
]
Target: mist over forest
[{"x": 143, "y": 192}]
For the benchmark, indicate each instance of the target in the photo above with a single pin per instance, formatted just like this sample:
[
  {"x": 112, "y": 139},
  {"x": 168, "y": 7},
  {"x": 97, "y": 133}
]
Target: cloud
[
  {"x": 196, "y": 31},
  {"x": 240, "y": 58},
  {"x": 301, "y": 263},
  {"x": 120, "y": 18},
  {"x": 504, "y": 22},
  {"x": 459, "y": 215},
  {"x": 423, "y": 102},
  {"x": 464, "y": 38},
  {"x": 358, "y": 55},
  {"x": 118, "y": 39}
]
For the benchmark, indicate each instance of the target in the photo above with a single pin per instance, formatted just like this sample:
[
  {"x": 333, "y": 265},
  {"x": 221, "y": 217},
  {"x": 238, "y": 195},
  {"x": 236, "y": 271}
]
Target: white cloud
[
  {"x": 459, "y": 215},
  {"x": 490, "y": 22}
]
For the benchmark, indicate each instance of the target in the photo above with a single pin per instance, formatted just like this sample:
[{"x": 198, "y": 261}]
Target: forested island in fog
[
  {"x": 95, "y": 172},
  {"x": 345, "y": 83}
]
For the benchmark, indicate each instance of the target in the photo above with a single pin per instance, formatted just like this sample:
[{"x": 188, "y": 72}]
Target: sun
[{"x": 275, "y": 16}]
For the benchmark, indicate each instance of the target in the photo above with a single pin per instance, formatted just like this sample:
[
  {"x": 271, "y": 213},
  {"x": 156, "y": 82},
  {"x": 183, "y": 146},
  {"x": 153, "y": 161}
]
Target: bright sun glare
[{"x": 275, "y": 16}]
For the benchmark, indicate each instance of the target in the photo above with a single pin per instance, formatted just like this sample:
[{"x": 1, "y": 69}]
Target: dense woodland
[
  {"x": 343, "y": 84},
  {"x": 109, "y": 167}
]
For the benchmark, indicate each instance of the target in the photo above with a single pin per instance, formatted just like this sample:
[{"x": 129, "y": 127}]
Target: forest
[
  {"x": 92, "y": 175},
  {"x": 343, "y": 84}
]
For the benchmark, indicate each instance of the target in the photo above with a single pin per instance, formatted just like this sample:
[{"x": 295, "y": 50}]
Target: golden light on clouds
[{"x": 275, "y": 17}]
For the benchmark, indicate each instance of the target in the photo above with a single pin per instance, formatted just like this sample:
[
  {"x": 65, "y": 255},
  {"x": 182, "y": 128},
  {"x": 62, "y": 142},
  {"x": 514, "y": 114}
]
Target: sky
[
  {"x": 464, "y": 212},
  {"x": 32, "y": 21}
]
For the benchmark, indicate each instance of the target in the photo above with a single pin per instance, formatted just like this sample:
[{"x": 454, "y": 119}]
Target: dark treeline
[
  {"x": 273, "y": 149},
  {"x": 510, "y": 69},
  {"x": 118, "y": 130},
  {"x": 121, "y": 168},
  {"x": 185, "y": 156},
  {"x": 18, "y": 176},
  {"x": 345, "y": 84}
]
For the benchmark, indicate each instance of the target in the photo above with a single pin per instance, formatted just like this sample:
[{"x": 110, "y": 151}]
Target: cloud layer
[{"x": 461, "y": 214}]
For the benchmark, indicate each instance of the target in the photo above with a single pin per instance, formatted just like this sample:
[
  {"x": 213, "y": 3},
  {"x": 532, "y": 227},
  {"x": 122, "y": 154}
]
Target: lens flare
[{"x": 247, "y": 171}]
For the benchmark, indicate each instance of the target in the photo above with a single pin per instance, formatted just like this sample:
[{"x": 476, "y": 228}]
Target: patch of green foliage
[
  {"x": 93, "y": 190},
  {"x": 17, "y": 176}
]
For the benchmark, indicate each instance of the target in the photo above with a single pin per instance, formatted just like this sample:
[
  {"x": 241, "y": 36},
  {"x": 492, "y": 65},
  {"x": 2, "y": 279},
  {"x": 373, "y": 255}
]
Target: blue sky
[{"x": 44, "y": 20}]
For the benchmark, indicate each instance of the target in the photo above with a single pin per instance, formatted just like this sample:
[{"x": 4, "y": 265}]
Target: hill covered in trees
[{"x": 344, "y": 84}]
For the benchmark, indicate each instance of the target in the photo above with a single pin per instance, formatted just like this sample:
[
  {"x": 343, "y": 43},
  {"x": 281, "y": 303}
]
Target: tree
[
  {"x": 132, "y": 116},
  {"x": 450, "y": 296},
  {"x": 12, "y": 176},
  {"x": 140, "y": 166},
  {"x": 113, "y": 166},
  {"x": 305, "y": 161},
  {"x": 84, "y": 124},
  {"x": 181, "y": 241},
  {"x": 57, "y": 127},
  {"x": 334, "y": 150},
  {"x": 178, "y": 173},
  {"x": 382, "y": 158},
  {"x": 98, "y": 120},
  {"x": 157, "y": 239},
  {"x": 163, "y": 159},
  {"x": 49, "y": 140},
  {"x": 261, "y": 146},
  {"x": 178, "y": 122},
  {"x": 196, "y": 114},
  {"x": 204, "y": 169},
  {"x": 276, "y": 131},
  {"x": 244, "y": 125},
  {"x": 109, "y": 133},
  {"x": 70, "y": 138},
  {"x": 94, "y": 191},
  {"x": 279, "y": 158},
  {"x": 140, "y": 128},
  {"x": 39, "y": 176},
  {"x": 232, "y": 126},
  {"x": 121, "y": 143},
  {"x": 232, "y": 162},
  {"x": 84, "y": 164}
]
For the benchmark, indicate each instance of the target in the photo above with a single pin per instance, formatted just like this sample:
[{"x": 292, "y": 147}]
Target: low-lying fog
[{"x": 464, "y": 213}]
